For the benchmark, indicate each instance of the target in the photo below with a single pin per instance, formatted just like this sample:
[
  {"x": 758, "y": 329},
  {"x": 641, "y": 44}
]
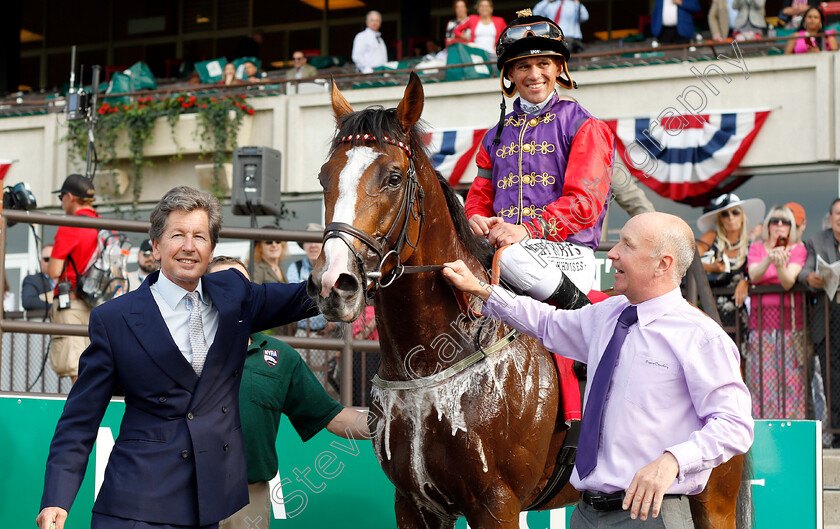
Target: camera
[
  {"x": 19, "y": 197},
  {"x": 64, "y": 289}
]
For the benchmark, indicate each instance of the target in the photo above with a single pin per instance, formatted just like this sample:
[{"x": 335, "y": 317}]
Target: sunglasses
[
  {"x": 734, "y": 213},
  {"x": 273, "y": 242},
  {"x": 538, "y": 29},
  {"x": 779, "y": 220},
  {"x": 45, "y": 259}
]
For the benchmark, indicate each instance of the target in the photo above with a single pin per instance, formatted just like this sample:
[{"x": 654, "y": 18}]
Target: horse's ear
[
  {"x": 340, "y": 105},
  {"x": 411, "y": 106}
]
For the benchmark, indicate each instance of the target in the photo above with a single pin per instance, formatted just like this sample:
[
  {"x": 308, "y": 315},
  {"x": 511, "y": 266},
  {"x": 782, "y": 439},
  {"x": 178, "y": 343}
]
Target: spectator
[
  {"x": 72, "y": 250},
  {"x": 719, "y": 20},
  {"x": 267, "y": 258},
  {"x": 750, "y": 23},
  {"x": 793, "y": 11},
  {"x": 484, "y": 29},
  {"x": 825, "y": 245},
  {"x": 300, "y": 69},
  {"x": 671, "y": 21},
  {"x": 248, "y": 46},
  {"x": 323, "y": 361},
  {"x": 276, "y": 381},
  {"x": 369, "y": 50},
  {"x": 36, "y": 291},
  {"x": 365, "y": 365},
  {"x": 776, "y": 354},
  {"x": 229, "y": 76},
  {"x": 812, "y": 25},
  {"x": 568, "y": 14},
  {"x": 724, "y": 247},
  {"x": 460, "y": 8},
  {"x": 252, "y": 73},
  {"x": 146, "y": 264}
]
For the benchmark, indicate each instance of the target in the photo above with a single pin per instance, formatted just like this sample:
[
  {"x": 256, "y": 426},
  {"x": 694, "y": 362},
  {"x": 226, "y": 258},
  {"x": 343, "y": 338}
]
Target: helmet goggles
[{"x": 536, "y": 29}]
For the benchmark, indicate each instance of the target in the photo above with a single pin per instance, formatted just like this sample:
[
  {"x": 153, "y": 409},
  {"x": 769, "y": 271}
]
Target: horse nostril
[{"x": 346, "y": 284}]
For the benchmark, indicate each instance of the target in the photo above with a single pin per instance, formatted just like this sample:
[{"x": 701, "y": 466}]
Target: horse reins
[{"x": 413, "y": 193}]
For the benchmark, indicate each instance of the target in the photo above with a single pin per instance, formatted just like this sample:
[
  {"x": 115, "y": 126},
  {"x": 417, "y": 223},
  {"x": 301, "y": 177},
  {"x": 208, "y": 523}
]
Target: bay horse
[{"x": 465, "y": 418}]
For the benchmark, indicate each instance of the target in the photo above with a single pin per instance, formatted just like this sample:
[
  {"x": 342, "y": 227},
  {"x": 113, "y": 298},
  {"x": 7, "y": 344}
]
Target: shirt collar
[
  {"x": 172, "y": 294},
  {"x": 532, "y": 109},
  {"x": 652, "y": 309}
]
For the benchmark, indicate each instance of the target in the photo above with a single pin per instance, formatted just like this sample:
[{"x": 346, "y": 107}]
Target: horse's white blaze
[{"x": 336, "y": 253}]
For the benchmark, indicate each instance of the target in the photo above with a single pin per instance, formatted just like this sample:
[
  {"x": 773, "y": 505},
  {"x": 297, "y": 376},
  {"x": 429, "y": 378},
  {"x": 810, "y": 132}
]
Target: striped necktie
[{"x": 198, "y": 343}]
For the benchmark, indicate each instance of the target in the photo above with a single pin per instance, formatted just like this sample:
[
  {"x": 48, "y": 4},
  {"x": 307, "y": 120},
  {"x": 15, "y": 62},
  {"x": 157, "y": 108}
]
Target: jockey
[{"x": 544, "y": 171}]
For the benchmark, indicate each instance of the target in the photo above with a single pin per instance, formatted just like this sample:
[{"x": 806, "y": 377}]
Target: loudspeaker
[{"x": 256, "y": 181}]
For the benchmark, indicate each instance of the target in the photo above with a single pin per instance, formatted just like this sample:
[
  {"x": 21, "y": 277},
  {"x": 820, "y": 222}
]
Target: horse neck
[{"x": 421, "y": 319}]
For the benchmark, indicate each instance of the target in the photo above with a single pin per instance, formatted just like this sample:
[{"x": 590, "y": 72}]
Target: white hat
[{"x": 753, "y": 209}]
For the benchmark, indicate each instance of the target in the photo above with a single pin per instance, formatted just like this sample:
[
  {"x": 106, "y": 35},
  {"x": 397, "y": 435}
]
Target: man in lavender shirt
[{"x": 676, "y": 405}]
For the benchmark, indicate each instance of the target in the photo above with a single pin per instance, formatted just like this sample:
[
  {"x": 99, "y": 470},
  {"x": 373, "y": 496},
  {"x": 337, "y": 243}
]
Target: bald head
[
  {"x": 673, "y": 236},
  {"x": 652, "y": 255}
]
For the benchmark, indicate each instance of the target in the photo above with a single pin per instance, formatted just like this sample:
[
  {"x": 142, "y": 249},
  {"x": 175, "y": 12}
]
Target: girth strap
[{"x": 562, "y": 469}]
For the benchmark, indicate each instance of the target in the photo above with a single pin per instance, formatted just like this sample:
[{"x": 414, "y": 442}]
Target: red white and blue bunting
[
  {"x": 453, "y": 151},
  {"x": 687, "y": 158}
]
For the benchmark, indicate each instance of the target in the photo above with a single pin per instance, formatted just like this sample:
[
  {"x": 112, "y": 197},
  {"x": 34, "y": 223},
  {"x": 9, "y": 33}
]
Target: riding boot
[{"x": 568, "y": 296}]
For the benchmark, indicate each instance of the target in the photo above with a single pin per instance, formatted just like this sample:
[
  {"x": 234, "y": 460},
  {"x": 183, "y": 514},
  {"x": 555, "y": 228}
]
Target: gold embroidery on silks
[
  {"x": 533, "y": 179},
  {"x": 514, "y": 121},
  {"x": 527, "y": 211},
  {"x": 508, "y": 181},
  {"x": 533, "y": 148},
  {"x": 507, "y": 150},
  {"x": 548, "y": 118}
]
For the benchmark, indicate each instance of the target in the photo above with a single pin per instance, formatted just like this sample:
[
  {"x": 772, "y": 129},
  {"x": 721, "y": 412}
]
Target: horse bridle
[{"x": 346, "y": 232}]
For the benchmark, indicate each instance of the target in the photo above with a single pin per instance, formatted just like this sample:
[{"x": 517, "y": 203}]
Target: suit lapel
[{"x": 145, "y": 321}]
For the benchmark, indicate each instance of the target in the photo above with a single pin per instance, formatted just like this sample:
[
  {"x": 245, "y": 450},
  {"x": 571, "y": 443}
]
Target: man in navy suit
[{"x": 175, "y": 348}]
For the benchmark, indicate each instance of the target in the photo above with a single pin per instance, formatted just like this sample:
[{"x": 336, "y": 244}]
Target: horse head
[{"x": 373, "y": 202}]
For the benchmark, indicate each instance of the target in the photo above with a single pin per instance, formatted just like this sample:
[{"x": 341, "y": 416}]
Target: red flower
[
  {"x": 251, "y": 111},
  {"x": 103, "y": 110},
  {"x": 180, "y": 99},
  {"x": 192, "y": 99},
  {"x": 185, "y": 105},
  {"x": 213, "y": 100},
  {"x": 242, "y": 96},
  {"x": 113, "y": 110},
  {"x": 204, "y": 105}
]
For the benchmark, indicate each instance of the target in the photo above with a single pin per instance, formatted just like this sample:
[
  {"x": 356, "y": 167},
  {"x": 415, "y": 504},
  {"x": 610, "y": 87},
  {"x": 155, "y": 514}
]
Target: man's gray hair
[
  {"x": 372, "y": 13},
  {"x": 186, "y": 199},
  {"x": 676, "y": 238}
]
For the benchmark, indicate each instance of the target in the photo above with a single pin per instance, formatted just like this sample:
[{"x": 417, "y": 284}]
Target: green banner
[{"x": 334, "y": 482}]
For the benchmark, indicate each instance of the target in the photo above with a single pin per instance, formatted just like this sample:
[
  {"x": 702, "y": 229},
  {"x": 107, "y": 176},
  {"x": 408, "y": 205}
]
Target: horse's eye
[{"x": 394, "y": 179}]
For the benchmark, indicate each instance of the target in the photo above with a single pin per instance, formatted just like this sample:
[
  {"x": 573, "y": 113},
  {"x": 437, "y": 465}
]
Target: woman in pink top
[
  {"x": 776, "y": 355},
  {"x": 812, "y": 25},
  {"x": 480, "y": 28}
]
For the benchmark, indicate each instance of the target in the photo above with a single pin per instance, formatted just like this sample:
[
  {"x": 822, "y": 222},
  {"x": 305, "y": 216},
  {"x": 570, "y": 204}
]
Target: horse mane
[{"x": 382, "y": 122}]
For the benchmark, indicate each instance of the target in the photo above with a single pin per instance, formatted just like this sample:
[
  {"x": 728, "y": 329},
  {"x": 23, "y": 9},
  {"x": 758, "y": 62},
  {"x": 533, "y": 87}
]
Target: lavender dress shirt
[{"x": 677, "y": 386}]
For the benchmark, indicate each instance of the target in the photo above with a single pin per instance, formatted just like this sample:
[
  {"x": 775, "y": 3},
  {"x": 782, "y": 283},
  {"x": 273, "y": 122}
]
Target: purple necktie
[{"x": 590, "y": 428}]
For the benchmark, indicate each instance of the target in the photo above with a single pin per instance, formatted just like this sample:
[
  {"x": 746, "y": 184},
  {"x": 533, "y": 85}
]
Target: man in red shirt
[{"x": 72, "y": 250}]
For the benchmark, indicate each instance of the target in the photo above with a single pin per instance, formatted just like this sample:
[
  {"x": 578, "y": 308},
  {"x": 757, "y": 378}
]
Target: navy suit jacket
[
  {"x": 685, "y": 24},
  {"x": 179, "y": 457}
]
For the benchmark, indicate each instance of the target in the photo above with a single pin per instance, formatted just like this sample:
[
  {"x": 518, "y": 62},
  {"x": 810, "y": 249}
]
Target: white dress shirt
[
  {"x": 669, "y": 13},
  {"x": 569, "y": 21},
  {"x": 176, "y": 313},
  {"x": 676, "y": 387},
  {"x": 369, "y": 50}
]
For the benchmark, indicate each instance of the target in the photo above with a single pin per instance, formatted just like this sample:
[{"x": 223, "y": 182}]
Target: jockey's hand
[
  {"x": 648, "y": 487},
  {"x": 459, "y": 276},
  {"x": 506, "y": 233},
  {"x": 482, "y": 225},
  {"x": 51, "y": 515}
]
